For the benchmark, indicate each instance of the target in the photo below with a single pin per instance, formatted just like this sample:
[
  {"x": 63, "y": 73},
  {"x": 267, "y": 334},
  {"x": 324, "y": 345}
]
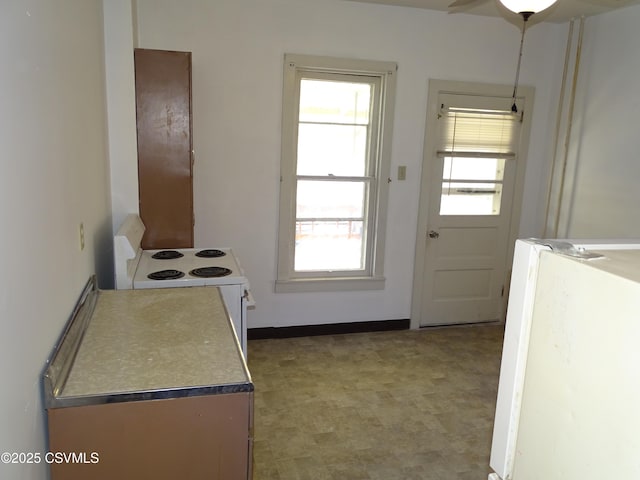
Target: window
[
  {"x": 474, "y": 144},
  {"x": 336, "y": 136}
]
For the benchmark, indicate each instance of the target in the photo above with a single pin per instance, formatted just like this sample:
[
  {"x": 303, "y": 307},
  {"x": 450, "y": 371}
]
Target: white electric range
[{"x": 182, "y": 267}]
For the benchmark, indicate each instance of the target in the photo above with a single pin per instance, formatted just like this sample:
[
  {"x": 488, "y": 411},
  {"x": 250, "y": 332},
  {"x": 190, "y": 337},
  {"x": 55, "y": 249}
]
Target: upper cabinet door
[{"x": 165, "y": 172}]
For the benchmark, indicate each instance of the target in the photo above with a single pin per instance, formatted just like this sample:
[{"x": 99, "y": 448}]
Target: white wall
[
  {"x": 238, "y": 49},
  {"x": 54, "y": 176},
  {"x": 603, "y": 157},
  {"x": 120, "y": 40}
]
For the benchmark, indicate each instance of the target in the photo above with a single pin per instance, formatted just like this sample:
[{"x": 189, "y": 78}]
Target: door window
[
  {"x": 474, "y": 145},
  {"x": 471, "y": 186}
]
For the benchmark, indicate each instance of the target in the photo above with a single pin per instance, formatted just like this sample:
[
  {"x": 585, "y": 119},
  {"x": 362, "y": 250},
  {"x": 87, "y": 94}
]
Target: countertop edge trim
[{"x": 173, "y": 393}]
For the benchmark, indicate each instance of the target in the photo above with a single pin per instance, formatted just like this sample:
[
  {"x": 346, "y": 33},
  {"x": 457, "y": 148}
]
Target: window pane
[
  {"x": 462, "y": 168},
  {"x": 330, "y": 199},
  {"x": 331, "y": 196},
  {"x": 335, "y": 245},
  {"x": 324, "y": 101},
  {"x": 332, "y": 149},
  {"x": 461, "y": 198}
]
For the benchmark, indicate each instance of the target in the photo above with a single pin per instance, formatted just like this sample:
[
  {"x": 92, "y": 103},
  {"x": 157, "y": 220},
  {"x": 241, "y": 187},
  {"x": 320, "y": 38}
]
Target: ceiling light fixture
[{"x": 524, "y": 8}]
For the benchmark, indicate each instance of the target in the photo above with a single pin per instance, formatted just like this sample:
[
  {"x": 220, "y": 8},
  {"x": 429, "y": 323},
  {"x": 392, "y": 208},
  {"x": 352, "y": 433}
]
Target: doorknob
[{"x": 433, "y": 234}]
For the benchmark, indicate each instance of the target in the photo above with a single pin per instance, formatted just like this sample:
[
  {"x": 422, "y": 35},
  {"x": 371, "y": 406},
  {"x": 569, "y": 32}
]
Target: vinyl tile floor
[{"x": 410, "y": 404}]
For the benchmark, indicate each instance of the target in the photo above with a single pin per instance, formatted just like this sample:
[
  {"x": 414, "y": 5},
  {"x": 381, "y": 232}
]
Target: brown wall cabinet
[{"x": 164, "y": 128}]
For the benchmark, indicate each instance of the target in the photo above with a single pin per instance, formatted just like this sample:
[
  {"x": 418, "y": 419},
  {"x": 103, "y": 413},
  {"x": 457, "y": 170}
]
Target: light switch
[{"x": 402, "y": 172}]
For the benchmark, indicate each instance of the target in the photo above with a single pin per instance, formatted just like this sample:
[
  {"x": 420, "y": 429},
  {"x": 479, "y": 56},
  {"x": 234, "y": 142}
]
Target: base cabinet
[{"x": 191, "y": 438}]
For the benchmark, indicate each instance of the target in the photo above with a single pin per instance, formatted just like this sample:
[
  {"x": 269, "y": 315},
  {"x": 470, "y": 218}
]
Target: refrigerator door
[
  {"x": 517, "y": 332},
  {"x": 578, "y": 415},
  {"x": 514, "y": 356}
]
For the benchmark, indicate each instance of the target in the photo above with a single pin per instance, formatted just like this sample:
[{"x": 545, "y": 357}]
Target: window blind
[{"x": 478, "y": 132}]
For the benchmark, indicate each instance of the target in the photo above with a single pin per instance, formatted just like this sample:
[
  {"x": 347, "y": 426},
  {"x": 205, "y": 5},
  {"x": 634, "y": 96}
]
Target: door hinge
[{"x": 502, "y": 293}]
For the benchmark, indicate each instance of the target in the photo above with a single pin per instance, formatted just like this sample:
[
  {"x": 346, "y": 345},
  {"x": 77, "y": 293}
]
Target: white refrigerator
[{"x": 568, "y": 405}]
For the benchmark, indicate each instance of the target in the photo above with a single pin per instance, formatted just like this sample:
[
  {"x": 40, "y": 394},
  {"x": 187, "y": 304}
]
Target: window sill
[{"x": 300, "y": 285}]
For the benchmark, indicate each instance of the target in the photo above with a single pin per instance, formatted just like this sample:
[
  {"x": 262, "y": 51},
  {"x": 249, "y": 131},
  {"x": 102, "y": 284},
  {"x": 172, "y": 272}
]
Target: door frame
[{"x": 436, "y": 87}]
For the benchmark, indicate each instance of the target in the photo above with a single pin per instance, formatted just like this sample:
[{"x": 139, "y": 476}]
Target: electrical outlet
[
  {"x": 402, "y": 172},
  {"x": 81, "y": 236}
]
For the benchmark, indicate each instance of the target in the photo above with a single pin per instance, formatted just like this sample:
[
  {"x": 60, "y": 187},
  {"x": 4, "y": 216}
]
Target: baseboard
[{"x": 327, "y": 329}]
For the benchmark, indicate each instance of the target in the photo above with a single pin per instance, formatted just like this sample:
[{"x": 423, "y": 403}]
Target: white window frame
[{"x": 371, "y": 277}]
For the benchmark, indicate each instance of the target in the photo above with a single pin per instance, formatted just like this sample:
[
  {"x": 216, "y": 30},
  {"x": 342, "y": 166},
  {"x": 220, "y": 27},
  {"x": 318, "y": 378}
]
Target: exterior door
[
  {"x": 470, "y": 185},
  {"x": 163, "y": 108},
  {"x": 466, "y": 254}
]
